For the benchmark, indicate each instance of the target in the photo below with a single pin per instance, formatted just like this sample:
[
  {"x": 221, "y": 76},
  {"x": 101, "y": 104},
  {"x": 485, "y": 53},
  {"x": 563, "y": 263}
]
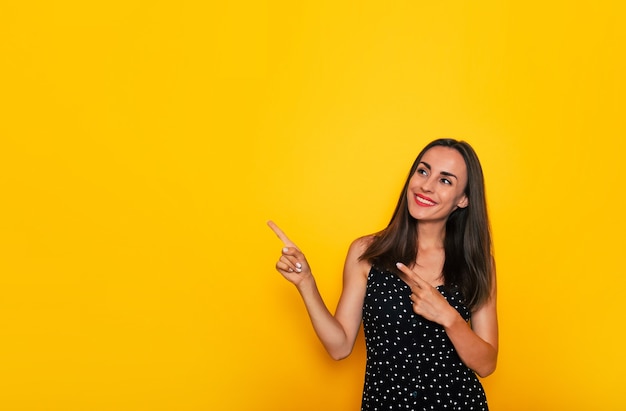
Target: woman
[{"x": 424, "y": 289}]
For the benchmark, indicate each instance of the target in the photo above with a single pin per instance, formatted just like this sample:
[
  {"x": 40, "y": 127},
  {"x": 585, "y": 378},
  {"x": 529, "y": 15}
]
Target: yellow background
[{"x": 143, "y": 145}]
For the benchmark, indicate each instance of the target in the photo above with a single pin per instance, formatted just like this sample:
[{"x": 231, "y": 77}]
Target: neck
[{"x": 430, "y": 235}]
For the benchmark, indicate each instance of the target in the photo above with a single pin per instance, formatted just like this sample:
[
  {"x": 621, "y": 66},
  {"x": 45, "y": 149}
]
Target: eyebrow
[{"x": 445, "y": 173}]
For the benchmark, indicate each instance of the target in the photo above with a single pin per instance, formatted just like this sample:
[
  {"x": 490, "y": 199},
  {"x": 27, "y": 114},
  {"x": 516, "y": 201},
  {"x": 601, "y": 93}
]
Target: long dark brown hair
[{"x": 467, "y": 245}]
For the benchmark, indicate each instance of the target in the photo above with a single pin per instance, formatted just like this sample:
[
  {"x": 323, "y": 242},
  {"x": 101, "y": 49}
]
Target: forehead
[{"x": 447, "y": 159}]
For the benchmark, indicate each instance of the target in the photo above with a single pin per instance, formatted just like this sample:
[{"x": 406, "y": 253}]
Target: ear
[{"x": 464, "y": 202}]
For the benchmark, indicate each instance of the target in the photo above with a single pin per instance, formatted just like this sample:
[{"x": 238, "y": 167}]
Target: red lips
[{"x": 424, "y": 201}]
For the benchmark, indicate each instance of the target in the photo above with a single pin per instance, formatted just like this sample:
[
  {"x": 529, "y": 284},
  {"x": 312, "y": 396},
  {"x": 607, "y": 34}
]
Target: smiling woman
[
  {"x": 441, "y": 174},
  {"x": 423, "y": 288}
]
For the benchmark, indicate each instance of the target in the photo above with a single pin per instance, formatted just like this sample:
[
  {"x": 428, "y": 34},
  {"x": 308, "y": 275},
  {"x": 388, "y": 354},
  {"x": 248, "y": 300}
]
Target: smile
[{"x": 424, "y": 201}]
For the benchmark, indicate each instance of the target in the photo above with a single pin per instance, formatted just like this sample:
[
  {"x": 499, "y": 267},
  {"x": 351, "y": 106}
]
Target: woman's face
[{"x": 437, "y": 187}]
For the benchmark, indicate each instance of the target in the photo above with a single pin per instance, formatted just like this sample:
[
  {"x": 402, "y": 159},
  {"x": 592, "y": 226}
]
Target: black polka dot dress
[{"x": 411, "y": 363}]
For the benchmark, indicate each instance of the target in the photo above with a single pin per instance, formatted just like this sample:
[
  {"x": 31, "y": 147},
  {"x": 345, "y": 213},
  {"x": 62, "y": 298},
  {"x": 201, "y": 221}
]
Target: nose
[{"x": 427, "y": 184}]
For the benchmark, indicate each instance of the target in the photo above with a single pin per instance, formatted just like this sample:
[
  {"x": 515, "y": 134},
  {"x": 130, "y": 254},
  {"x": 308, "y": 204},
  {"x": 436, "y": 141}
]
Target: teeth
[{"x": 424, "y": 201}]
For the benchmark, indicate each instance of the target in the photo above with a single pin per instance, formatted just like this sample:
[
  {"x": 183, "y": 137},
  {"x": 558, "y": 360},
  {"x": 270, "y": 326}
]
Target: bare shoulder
[
  {"x": 361, "y": 243},
  {"x": 354, "y": 264}
]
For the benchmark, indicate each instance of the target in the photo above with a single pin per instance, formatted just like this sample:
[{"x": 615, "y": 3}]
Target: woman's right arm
[{"x": 337, "y": 332}]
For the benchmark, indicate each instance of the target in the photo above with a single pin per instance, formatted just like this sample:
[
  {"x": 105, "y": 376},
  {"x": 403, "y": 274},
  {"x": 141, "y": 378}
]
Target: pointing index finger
[
  {"x": 412, "y": 275},
  {"x": 281, "y": 235}
]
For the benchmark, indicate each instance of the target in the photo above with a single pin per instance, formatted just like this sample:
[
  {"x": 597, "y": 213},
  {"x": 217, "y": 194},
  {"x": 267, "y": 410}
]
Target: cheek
[
  {"x": 461, "y": 197},
  {"x": 453, "y": 201},
  {"x": 410, "y": 187}
]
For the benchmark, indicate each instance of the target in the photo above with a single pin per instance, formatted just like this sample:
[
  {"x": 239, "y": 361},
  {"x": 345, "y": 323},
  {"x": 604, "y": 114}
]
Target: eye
[
  {"x": 421, "y": 171},
  {"x": 446, "y": 181}
]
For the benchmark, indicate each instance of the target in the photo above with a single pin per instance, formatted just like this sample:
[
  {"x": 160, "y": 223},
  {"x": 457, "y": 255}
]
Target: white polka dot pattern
[{"x": 411, "y": 363}]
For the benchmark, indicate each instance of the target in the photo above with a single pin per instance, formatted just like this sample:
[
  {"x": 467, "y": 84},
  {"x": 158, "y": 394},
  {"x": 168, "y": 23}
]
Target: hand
[
  {"x": 292, "y": 263},
  {"x": 427, "y": 300}
]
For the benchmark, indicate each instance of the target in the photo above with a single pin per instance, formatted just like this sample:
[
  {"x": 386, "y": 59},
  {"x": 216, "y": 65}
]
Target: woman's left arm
[{"x": 476, "y": 344}]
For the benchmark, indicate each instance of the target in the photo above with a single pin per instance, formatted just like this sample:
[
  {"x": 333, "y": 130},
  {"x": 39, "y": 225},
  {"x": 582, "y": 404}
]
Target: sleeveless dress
[{"x": 411, "y": 362}]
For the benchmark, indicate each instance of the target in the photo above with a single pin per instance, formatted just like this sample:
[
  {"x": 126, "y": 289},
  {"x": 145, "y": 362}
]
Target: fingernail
[
  {"x": 285, "y": 250},
  {"x": 398, "y": 265},
  {"x": 298, "y": 265},
  {"x": 298, "y": 270}
]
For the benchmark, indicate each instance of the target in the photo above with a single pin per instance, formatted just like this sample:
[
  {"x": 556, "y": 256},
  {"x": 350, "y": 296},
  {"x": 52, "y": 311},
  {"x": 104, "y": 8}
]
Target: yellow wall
[{"x": 143, "y": 145}]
